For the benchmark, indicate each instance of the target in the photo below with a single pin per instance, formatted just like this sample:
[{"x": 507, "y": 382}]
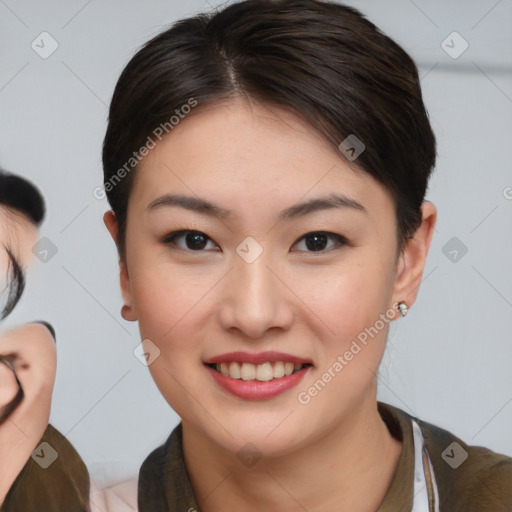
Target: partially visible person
[{"x": 27, "y": 373}]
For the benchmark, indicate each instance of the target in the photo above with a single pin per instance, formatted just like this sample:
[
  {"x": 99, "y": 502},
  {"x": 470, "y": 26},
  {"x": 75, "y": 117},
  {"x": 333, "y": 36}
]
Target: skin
[
  {"x": 17, "y": 230},
  {"x": 334, "y": 453},
  {"x": 30, "y": 349}
]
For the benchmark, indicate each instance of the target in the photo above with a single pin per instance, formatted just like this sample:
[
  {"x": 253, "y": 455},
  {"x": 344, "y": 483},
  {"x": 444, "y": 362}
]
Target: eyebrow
[{"x": 204, "y": 207}]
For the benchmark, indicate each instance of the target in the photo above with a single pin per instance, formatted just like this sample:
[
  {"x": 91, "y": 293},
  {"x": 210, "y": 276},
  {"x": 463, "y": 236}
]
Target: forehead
[
  {"x": 18, "y": 233},
  {"x": 240, "y": 150}
]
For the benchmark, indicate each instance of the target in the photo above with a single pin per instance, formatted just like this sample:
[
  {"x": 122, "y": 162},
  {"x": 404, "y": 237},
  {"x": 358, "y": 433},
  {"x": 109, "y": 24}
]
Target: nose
[{"x": 255, "y": 298}]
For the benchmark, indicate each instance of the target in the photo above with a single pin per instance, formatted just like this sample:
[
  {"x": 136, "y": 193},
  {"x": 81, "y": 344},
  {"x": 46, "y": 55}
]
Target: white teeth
[
  {"x": 278, "y": 370},
  {"x": 223, "y": 369},
  {"x": 248, "y": 371},
  {"x": 234, "y": 370},
  {"x": 262, "y": 372}
]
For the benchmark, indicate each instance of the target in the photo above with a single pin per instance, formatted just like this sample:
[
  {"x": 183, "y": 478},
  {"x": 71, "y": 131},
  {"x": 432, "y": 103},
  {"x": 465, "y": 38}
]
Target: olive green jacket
[
  {"x": 482, "y": 482},
  {"x": 54, "y": 479},
  {"x": 465, "y": 478}
]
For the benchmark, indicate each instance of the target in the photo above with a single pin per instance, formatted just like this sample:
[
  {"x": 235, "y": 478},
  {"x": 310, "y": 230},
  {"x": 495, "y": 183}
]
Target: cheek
[
  {"x": 346, "y": 304},
  {"x": 170, "y": 301},
  {"x": 159, "y": 291},
  {"x": 164, "y": 301},
  {"x": 350, "y": 294},
  {"x": 169, "y": 307}
]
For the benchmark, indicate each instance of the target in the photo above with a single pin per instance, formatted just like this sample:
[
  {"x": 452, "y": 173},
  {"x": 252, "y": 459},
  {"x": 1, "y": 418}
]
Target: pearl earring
[{"x": 402, "y": 307}]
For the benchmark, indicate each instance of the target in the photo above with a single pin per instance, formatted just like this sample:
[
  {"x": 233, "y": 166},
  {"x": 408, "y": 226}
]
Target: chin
[{"x": 263, "y": 432}]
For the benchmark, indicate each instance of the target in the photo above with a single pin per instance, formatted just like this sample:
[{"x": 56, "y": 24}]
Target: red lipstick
[
  {"x": 259, "y": 358},
  {"x": 257, "y": 389}
]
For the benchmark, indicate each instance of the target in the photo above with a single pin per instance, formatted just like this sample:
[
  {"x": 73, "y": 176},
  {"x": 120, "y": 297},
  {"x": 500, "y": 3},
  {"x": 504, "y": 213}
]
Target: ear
[
  {"x": 128, "y": 313},
  {"x": 413, "y": 258}
]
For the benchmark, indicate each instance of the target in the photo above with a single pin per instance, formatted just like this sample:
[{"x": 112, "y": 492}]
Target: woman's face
[{"x": 252, "y": 282}]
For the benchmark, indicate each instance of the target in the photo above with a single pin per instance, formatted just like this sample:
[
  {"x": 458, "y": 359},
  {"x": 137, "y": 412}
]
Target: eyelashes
[
  {"x": 15, "y": 284},
  {"x": 191, "y": 235}
]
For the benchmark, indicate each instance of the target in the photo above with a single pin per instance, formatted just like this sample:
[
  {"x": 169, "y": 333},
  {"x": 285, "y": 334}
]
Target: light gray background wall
[{"x": 448, "y": 362}]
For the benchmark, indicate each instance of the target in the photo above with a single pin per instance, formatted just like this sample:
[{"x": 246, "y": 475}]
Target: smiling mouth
[{"x": 265, "y": 372}]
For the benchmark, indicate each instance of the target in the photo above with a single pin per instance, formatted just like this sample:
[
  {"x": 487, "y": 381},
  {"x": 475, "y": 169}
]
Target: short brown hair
[{"x": 323, "y": 61}]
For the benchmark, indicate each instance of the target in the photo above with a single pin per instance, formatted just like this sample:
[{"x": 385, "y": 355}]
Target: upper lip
[{"x": 260, "y": 358}]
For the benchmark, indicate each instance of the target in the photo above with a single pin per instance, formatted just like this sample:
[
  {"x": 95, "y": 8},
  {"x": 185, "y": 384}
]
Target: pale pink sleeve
[{"x": 116, "y": 498}]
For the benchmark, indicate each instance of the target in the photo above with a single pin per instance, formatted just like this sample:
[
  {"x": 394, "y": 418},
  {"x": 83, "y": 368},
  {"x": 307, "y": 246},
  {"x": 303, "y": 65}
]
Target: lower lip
[{"x": 258, "y": 390}]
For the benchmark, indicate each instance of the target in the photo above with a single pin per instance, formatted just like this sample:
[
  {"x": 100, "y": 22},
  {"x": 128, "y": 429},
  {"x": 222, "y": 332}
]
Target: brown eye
[
  {"x": 318, "y": 241},
  {"x": 193, "y": 240}
]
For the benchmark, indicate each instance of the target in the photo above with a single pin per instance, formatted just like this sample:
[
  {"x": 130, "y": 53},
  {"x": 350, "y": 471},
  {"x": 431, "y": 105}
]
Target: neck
[{"x": 350, "y": 467}]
